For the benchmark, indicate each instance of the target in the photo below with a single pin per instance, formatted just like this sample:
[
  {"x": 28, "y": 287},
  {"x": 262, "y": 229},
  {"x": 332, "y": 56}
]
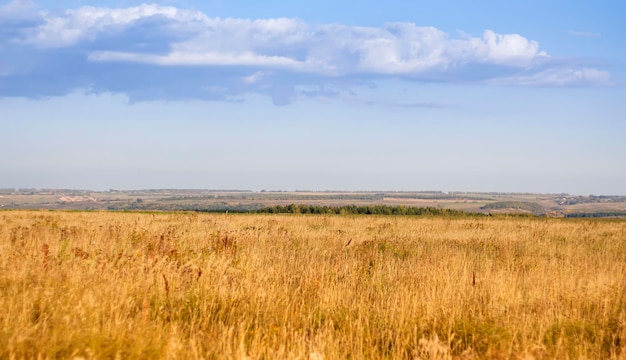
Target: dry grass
[{"x": 130, "y": 285}]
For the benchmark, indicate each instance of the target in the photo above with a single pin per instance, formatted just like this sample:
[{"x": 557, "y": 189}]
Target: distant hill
[
  {"x": 551, "y": 205},
  {"x": 515, "y": 205}
]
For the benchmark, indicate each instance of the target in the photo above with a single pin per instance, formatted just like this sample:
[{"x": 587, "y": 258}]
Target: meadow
[{"x": 95, "y": 285}]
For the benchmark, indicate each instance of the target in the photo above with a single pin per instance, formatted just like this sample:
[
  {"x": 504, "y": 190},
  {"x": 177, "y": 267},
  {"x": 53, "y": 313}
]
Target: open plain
[
  {"x": 187, "y": 285},
  {"x": 553, "y": 205}
]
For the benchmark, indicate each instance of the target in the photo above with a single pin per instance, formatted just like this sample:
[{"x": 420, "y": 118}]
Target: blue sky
[{"x": 517, "y": 96}]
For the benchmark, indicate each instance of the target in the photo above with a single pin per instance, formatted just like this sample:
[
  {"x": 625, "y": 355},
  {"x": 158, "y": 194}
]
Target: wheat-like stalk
[{"x": 130, "y": 285}]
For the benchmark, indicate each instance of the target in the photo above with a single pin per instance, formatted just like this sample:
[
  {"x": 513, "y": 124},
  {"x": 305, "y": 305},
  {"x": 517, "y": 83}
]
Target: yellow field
[{"x": 130, "y": 285}]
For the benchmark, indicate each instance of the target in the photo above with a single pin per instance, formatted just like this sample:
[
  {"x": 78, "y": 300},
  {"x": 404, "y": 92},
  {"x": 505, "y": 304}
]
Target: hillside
[{"x": 555, "y": 205}]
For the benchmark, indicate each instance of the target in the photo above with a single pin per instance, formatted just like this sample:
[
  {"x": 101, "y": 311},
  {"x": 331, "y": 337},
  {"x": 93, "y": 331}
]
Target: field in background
[
  {"x": 553, "y": 205},
  {"x": 189, "y": 285}
]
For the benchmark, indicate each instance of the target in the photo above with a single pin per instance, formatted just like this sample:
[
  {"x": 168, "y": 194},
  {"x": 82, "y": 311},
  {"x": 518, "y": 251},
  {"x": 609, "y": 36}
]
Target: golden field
[{"x": 193, "y": 286}]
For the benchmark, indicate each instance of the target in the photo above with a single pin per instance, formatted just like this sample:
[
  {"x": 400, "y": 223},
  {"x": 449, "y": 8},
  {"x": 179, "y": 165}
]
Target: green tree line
[{"x": 361, "y": 210}]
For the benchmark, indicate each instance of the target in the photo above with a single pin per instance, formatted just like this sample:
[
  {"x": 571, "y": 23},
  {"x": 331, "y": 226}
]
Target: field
[
  {"x": 187, "y": 285},
  {"x": 553, "y": 205}
]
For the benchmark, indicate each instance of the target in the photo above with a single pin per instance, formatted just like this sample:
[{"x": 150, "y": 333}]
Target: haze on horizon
[{"x": 327, "y": 95}]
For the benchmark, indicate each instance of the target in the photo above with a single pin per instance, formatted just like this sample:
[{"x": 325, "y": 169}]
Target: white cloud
[
  {"x": 508, "y": 49},
  {"x": 256, "y": 77},
  {"x": 186, "y": 49},
  {"x": 87, "y": 23},
  {"x": 18, "y": 10},
  {"x": 396, "y": 48},
  {"x": 585, "y": 34},
  {"x": 199, "y": 58},
  {"x": 560, "y": 77}
]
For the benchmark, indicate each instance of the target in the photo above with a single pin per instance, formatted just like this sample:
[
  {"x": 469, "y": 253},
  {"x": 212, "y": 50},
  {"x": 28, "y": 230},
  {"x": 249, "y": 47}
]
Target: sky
[{"x": 447, "y": 95}]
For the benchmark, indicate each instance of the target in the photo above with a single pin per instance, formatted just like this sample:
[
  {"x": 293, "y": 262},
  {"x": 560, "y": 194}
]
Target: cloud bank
[{"x": 162, "y": 52}]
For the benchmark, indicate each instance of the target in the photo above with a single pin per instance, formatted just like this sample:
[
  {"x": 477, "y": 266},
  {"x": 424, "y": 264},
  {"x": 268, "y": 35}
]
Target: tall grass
[{"x": 129, "y": 285}]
